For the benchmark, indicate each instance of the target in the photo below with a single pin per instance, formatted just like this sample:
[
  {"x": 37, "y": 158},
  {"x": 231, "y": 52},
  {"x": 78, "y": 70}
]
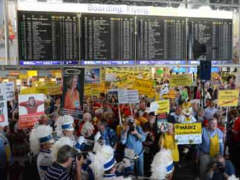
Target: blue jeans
[{"x": 139, "y": 164}]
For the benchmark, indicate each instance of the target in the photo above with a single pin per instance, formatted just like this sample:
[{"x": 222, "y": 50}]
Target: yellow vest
[
  {"x": 214, "y": 145},
  {"x": 169, "y": 143}
]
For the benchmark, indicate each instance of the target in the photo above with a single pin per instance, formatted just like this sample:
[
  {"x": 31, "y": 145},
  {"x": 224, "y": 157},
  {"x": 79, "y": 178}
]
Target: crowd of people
[{"x": 133, "y": 143}]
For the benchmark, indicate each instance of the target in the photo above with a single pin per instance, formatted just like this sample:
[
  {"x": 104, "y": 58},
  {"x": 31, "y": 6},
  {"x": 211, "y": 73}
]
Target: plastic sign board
[
  {"x": 181, "y": 80},
  {"x": 31, "y": 107},
  {"x": 3, "y": 106},
  {"x": 188, "y": 133},
  {"x": 160, "y": 107},
  {"x": 9, "y": 90},
  {"x": 228, "y": 98}
]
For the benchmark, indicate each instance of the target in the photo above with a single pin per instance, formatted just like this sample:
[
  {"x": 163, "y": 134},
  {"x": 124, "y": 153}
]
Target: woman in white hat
[{"x": 41, "y": 141}]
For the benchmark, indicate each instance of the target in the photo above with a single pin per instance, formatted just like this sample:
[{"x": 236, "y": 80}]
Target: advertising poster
[
  {"x": 188, "y": 133},
  {"x": 3, "y": 107},
  {"x": 9, "y": 90},
  {"x": 73, "y": 87},
  {"x": 92, "y": 75},
  {"x": 228, "y": 98},
  {"x": 31, "y": 107}
]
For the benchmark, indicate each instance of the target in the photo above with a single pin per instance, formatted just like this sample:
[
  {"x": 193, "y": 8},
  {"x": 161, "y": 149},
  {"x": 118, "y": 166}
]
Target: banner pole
[{"x": 119, "y": 114}]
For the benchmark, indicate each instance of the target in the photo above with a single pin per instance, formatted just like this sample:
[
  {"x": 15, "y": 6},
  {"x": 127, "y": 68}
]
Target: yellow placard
[
  {"x": 32, "y": 73},
  {"x": 31, "y": 90},
  {"x": 50, "y": 88},
  {"x": 144, "y": 87},
  {"x": 56, "y": 73},
  {"x": 163, "y": 106},
  {"x": 94, "y": 89},
  {"x": 180, "y": 80},
  {"x": 228, "y": 98},
  {"x": 23, "y": 76},
  {"x": 187, "y": 128}
]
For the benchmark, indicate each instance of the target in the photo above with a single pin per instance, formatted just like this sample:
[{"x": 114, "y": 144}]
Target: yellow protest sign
[
  {"x": 180, "y": 80},
  {"x": 50, "y": 88},
  {"x": 32, "y": 73},
  {"x": 188, "y": 133},
  {"x": 228, "y": 98},
  {"x": 23, "y": 76},
  {"x": 94, "y": 89},
  {"x": 31, "y": 90},
  {"x": 160, "y": 107},
  {"x": 163, "y": 106},
  {"x": 144, "y": 87}
]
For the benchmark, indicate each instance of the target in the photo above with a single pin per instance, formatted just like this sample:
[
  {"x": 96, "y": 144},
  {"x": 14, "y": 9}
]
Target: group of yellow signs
[{"x": 137, "y": 79}]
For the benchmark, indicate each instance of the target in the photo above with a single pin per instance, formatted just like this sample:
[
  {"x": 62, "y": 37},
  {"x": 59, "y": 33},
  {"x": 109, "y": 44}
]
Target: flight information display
[
  {"x": 108, "y": 37},
  {"x": 161, "y": 38},
  {"x": 48, "y": 36},
  {"x": 210, "y": 39},
  {"x": 70, "y": 37}
]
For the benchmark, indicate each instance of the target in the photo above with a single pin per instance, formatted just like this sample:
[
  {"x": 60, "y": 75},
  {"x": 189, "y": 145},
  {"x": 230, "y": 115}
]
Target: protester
[
  {"x": 162, "y": 166},
  {"x": 5, "y": 155},
  {"x": 109, "y": 135},
  {"x": 220, "y": 169},
  {"x": 41, "y": 141},
  {"x": 212, "y": 145},
  {"x": 133, "y": 137},
  {"x": 168, "y": 142}
]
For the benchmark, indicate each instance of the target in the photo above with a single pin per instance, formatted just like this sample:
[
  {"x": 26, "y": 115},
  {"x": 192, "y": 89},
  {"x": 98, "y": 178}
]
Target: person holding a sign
[
  {"x": 212, "y": 145},
  {"x": 167, "y": 141}
]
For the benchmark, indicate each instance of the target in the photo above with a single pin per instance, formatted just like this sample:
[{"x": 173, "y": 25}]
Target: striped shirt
[{"x": 57, "y": 172}]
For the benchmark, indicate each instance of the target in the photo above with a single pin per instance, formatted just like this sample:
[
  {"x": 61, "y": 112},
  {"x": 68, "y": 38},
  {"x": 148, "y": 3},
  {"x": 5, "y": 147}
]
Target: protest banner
[
  {"x": 160, "y": 107},
  {"x": 49, "y": 88},
  {"x": 3, "y": 107},
  {"x": 228, "y": 98},
  {"x": 133, "y": 97},
  {"x": 144, "y": 87},
  {"x": 31, "y": 107},
  {"x": 123, "y": 96},
  {"x": 188, "y": 133},
  {"x": 9, "y": 90},
  {"x": 180, "y": 80},
  {"x": 94, "y": 89},
  {"x": 73, "y": 87},
  {"x": 92, "y": 75}
]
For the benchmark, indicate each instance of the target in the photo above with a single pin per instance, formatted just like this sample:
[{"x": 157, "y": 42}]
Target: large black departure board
[
  {"x": 210, "y": 39},
  {"x": 48, "y": 36},
  {"x": 108, "y": 37},
  {"x": 161, "y": 38}
]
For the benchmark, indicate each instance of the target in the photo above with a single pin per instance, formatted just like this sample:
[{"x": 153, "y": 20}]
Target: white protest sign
[
  {"x": 3, "y": 106},
  {"x": 9, "y": 90},
  {"x": 122, "y": 96},
  {"x": 133, "y": 97}
]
